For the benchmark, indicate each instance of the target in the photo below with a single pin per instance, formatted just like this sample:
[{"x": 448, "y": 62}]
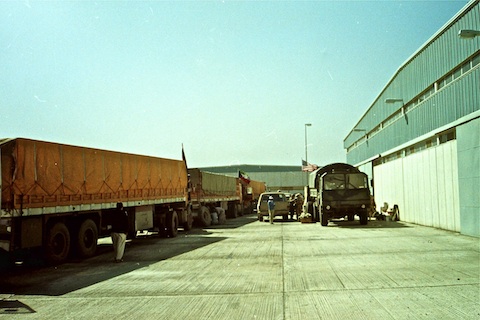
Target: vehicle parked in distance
[
  {"x": 282, "y": 205},
  {"x": 336, "y": 191}
]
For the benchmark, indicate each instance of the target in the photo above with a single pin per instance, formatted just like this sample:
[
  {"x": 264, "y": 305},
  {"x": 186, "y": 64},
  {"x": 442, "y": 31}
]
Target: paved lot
[{"x": 253, "y": 270}]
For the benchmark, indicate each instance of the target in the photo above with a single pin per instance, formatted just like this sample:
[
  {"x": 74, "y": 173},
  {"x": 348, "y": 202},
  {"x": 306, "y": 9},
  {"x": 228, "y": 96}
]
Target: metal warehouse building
[
  {"x": 286, "y": 178},
  {"x": 420, "y": 139}
]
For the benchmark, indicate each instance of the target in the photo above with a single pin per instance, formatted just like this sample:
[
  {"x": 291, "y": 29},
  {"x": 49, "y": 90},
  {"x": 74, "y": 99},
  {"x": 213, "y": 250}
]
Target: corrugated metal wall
[
  {"x": 286, "y": 178},
  {"x": 428, "y": 155},
  {"x": 423, "y": 185},
  {"x": 468, "y": 149},
  {"x": 443, "y": 53},
  {"x": 459, "y": 99}
]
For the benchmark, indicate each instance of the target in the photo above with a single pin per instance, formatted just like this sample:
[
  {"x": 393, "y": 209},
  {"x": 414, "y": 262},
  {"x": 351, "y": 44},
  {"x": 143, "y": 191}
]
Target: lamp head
[{"x": 468, "y": 33}]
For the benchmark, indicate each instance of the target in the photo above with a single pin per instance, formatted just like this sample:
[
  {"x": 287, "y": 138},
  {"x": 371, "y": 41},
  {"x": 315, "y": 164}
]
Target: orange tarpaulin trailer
[
  {"x": 258, "y": 187},
  {"x": 63, "y": 198},
  {"x": 42, "y": 174}
]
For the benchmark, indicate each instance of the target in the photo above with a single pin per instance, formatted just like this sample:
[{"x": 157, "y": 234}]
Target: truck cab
[
  {"x": 343, "y": 194},
  {"x": 337, "y": 190}
]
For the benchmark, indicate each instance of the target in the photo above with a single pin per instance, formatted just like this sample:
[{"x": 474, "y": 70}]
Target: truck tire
[
  {"x": 204, "y": 217},
  {"x": 240, "y": 209},
  {"x": 188, "y": 224},
  {"x": 222, "y": 217},
  {"x": 172, "y": 224},
  {"x": 232, "y": 210},
  {"x": 57, "y": 247},
  {"x": 324, "y": 219},
  {"x": 87, "y": 238},
  {"x": 312, "y": 210},
  {"x": 363, "y": 218}
]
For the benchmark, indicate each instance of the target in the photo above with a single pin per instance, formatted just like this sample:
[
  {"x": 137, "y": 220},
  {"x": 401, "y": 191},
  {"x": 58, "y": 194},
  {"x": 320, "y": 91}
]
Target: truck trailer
[
  {"x": 337, "y": 190},
  {"x": 252, "y": 190},
  {"x": 214, "y": 194},
  {"x": 62, "y": 198},
  {"x": 217, "y": 196}
]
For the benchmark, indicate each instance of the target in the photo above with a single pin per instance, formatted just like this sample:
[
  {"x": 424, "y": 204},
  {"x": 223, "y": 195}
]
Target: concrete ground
[{"x": 254, "y": 270}]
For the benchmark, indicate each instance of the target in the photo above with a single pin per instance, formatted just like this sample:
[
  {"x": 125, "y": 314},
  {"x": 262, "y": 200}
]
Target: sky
[{"x": 234, "y": 82}]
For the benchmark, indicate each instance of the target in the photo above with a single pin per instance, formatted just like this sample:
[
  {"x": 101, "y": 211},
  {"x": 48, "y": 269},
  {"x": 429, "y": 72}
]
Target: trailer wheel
[
  {"x": 232, "y": 210},
  {"x": 172, "y": 224},
  {"x": 260, "y": 218},
  {"x": 240, "y": 209},
  {"x": 87, "y": 239},
  {"x": 188, "y": 224},
  {"x": 58, "y": 243},
  {"x": 222, "y": 217},
  {"x": 204, "y": 216}
]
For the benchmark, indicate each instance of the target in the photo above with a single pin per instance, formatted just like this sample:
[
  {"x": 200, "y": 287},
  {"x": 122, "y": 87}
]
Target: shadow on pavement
[
  {"x": 235, "y": 222},
  {"x": 14, "y": 307},
  {"x": 372, "y": 224},
  {"x": 34, "y": 277}
]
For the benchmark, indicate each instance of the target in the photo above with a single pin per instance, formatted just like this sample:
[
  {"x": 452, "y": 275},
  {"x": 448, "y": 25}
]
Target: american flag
[{"x": 308, "y": 167}]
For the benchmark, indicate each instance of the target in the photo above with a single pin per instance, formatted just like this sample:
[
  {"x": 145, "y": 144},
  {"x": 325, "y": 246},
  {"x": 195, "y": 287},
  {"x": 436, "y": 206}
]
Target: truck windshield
[
  {"x": 334, "y": 181},
  {"x": 356, "y": 181},
  {"x": 340, "y": 181}
]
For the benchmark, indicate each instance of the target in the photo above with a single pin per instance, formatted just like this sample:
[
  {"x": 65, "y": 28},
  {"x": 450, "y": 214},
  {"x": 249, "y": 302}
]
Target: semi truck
[
  {"x": 252, "y": 189},
  {"x": 337, "y": 190},
  {"x": 62, "y": 198},
  {"x": 215, "y": 197}
]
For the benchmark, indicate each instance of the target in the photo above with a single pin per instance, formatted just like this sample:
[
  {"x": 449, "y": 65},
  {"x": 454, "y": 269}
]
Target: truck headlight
[
  {"x": 328, "y": 207},
  {"x": 363, "y": 206}
]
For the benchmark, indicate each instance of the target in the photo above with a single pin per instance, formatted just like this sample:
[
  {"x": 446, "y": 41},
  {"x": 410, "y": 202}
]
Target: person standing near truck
[
  {"x": 271, "y": 208},
  {"x": 119, "y": 232},
  {"x": 298, "y": 205}
]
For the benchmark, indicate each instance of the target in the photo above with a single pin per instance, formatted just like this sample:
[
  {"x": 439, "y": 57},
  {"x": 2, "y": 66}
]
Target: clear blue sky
[{"x": 234, "y": 81}]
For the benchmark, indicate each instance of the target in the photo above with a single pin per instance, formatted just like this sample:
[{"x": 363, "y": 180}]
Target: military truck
[{"x": 337, "y": 190}]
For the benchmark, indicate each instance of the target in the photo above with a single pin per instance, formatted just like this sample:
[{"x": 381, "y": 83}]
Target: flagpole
[{"x": 306, "y": 151}]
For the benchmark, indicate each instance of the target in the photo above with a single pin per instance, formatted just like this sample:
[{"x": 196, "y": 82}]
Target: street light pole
[{"x": 306, "y": 153}]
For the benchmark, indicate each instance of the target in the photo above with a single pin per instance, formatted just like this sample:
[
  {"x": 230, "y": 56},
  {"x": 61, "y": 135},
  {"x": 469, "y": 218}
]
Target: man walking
[
  {"x": 271, "y": 208},
  {"x": 119, "y": 232}
]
